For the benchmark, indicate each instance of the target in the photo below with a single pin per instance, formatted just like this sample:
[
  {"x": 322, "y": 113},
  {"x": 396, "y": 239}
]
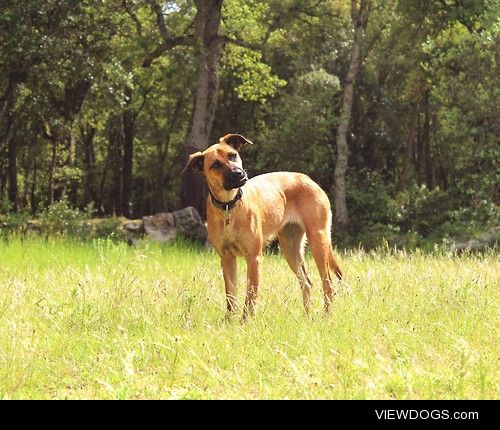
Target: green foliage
[
  {"x": 108, "y": 228},
  {"x": 371, "y": 198},
  {"x": 60, "y": 219},
  {"x": 255, "y": 80},
  {"x": 14, "y": 224},
  {"x": 415, "y": 218},
  {"x": 5, "y": 206},
  {"x": 425, "y": 210},
  {"x": 282, "y": 71}
]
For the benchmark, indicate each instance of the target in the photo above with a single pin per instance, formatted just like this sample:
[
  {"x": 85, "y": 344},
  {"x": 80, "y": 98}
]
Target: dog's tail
[
  {"x": 334, "y": 265},
  {"x": 332, "y": 262}
]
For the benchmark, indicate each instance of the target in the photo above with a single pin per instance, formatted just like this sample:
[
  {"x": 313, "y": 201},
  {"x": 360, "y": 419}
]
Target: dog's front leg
[
  {"x": 228, "y": 261},
  {"x": 254, "y": 264}
]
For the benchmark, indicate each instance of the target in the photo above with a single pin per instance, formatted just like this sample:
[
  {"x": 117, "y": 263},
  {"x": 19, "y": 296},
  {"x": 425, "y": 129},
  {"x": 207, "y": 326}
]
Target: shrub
[
  {"x": 109, "y": 228},
  {"x": 15, "y": 223},
  {"x": 424, "y": 210},
  {"x": 60, "y": 219},
  {"x": 374, "y": 215},
  {"x": 5, "y": 206}
]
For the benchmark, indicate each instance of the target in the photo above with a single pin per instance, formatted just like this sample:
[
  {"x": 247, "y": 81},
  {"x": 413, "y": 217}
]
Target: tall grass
[{"x": 104, "y": 320}]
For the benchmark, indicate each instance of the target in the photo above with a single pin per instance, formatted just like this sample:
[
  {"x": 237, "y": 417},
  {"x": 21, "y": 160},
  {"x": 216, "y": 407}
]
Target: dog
[{"x": 244, "y": 214}]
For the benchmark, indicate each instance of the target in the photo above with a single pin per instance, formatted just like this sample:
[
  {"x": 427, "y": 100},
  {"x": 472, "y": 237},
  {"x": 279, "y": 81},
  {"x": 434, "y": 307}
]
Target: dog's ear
[
  {"x": 235, "y": 140},
  {"x": 194, "y": 164}
]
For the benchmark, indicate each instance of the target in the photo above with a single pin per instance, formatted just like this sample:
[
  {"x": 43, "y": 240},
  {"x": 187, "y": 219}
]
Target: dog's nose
[{"x": 237, "y": 173}]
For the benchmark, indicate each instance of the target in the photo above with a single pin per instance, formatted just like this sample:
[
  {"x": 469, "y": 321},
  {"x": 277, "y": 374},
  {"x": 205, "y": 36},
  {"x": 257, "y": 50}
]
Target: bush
[
  {"x": 423, "y": 210},
  {"x": 417, "y": 217},
  {"x": 5, "y": 206},
  {"x": 374, "y": 235},
  {"x": 374, "y": 214},
  {"x": 60, "y": 219},
  {"x": 109, "y": 228},
  {"x": 15, "y": 223}
]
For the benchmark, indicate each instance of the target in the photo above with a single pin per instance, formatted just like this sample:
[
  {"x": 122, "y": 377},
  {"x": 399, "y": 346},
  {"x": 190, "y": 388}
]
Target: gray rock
[
  {"x": 473, "y": 245},
  {"x": 188, "y": 223},
  {"x": 165, "y": 226},
  {"x": 486, "y": 240},
  {"x": 160, "y": 227},
  {"x": 135, "y": 226}
]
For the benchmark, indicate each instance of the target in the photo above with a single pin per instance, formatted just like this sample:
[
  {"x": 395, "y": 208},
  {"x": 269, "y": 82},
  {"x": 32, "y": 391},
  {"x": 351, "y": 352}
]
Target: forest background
[{"x": 391, "y": 106}]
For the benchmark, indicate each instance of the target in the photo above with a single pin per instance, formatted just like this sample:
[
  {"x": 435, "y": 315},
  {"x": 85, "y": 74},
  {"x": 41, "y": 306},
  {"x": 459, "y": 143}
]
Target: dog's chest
[
  {"x": 225, "y": 234},
  {"x": 229, "y": 236}
]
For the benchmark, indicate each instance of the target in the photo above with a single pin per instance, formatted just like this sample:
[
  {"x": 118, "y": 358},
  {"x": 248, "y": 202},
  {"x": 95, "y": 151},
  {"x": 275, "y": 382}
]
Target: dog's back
[{"x": 288, "y": 197}]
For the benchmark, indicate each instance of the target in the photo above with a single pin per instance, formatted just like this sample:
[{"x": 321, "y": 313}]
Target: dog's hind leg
[
  {"x": 334, "y": 265},
  {"x": 292, "y": 241},
  {"x": 321, "y": 249}
]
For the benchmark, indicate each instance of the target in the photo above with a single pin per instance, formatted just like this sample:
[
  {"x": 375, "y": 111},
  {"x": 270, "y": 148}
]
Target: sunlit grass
[{"x": 104, "y": 320}]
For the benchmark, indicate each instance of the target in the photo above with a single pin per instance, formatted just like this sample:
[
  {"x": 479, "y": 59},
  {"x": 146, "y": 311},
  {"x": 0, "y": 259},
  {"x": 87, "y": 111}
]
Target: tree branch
[
  {"x": 238, "y": 42},
  {"x": 183, "y": 40},
  {"x": 144, "y": 100},
  {"x": 133, "y": 17},
  {"x": 160, "y": 19}
]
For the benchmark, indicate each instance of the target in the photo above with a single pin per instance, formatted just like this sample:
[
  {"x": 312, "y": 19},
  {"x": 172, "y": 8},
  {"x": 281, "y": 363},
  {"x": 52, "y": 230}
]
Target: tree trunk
[
  {"x": 69, "y": 187},
  {"x": 12, "y": 173},
  {"x": 8, "y": 100},
  {"x": 9, "y": 139},
  {"x": 162, "y": 178},
  {"x": 207, "y": 24},
  {"x": 128, "y": 154},
  {"x": 89, "y": 193},
  {"x": 116, "y": 144},
  {"x": 69, "y": 107},
  {"x": 429, "y": 170},
  {"x": 3, "y": 180},
  {"x": 360, "y": 20},
  {"x": 424, "y": 144},
  {"x": 51, "y": 187},
  {"x": 408, "y": 164},
  {"x": 33, "y": 199},
  {"x": 100, "y": 197}
]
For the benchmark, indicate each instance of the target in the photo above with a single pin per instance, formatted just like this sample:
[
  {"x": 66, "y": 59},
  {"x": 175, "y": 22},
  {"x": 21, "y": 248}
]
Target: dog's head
[{"x": 220, "y": 163}]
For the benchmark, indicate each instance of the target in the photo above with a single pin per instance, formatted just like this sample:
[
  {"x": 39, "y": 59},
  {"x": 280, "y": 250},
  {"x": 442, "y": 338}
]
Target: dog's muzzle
[{"x": 235, "y": 178}]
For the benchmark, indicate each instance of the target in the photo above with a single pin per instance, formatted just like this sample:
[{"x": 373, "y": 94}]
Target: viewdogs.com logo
[{"x": 424, "y": 414}]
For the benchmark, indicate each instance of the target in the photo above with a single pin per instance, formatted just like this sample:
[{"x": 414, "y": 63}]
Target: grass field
[{"x": 104, "y": 320}]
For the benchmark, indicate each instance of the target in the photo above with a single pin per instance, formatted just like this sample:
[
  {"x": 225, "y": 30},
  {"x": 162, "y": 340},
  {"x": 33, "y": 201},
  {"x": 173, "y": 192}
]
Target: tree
[
  {"x": 100, "y": 100},
  {"x": 359, "y": 14},
  {"x": 206, "y": 31}
]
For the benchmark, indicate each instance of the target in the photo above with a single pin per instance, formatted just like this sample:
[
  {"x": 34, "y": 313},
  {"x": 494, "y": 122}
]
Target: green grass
[{"x": 103, "y": 320}]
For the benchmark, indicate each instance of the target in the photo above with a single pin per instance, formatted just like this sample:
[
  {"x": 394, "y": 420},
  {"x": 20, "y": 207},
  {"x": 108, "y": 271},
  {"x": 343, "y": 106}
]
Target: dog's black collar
[{"x": 227, "y": 206}]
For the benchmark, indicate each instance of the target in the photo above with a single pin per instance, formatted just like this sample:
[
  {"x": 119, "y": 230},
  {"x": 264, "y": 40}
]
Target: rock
[
  {"x": 486, "y": 240},
  {"x": 160, "y": 227},
  {"x": 188, "y": 223},
  {"x": 134, "y": 226},
  {"x": 166, "y": 226},
  {"x": 491, "y": 237},
  {"x": 472, "y": 245}
]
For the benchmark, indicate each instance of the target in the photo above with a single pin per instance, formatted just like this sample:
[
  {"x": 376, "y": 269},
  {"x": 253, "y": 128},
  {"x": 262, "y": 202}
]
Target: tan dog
[{"x": 289, "y": 206}]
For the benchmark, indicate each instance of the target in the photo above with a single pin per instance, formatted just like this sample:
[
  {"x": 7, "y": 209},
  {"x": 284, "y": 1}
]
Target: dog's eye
[
  {"x": 232, "y": 156},
  {"x": 216, "y": 165}
]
